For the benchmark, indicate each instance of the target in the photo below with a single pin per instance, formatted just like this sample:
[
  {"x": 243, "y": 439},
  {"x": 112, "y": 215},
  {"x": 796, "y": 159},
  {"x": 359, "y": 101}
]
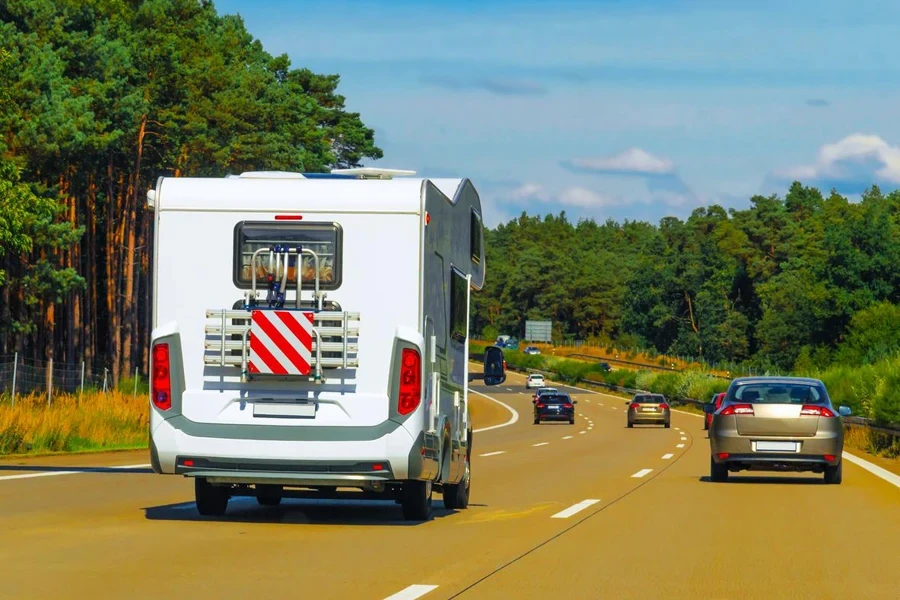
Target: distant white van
[{"x": 311, "y": 335}]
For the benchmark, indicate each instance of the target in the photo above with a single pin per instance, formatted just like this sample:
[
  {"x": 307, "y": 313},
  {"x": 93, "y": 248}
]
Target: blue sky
[{"x": 623, "y": 109}]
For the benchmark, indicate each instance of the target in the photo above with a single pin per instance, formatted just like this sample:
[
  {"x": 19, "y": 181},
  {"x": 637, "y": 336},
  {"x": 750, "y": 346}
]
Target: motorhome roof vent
[{"x": 373, "y": 173}]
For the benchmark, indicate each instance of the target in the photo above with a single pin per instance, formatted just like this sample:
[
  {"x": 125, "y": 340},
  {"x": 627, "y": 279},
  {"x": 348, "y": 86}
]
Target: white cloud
[
  {"x": 633, "y": 161},
  {"x": 570, "y": 196},
  {"x": 856, "y": 159}
]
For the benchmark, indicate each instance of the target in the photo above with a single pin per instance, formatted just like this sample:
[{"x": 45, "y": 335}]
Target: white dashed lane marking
[
  {"x": 680, "y": 446},
  {"x": 574, "y": 509},
  {"x": 568, "y": 437},
  {"x": 642, "y": 472},
  {"x": 494, "y": 453},
  {"x": 667, "y": 456},
  {"x": 541, "y": 444},
  {"x": 412, "y": 592}
]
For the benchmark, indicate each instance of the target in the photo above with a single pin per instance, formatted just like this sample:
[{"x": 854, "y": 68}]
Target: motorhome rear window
[
  {"x": 475, "y": 237},
  {"x": 325, "y": 239}
]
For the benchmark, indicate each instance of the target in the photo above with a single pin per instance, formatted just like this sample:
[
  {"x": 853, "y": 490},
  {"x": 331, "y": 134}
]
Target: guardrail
[
  {"x": 889, "y": 429},
  {"x": 636, "y": 364}
]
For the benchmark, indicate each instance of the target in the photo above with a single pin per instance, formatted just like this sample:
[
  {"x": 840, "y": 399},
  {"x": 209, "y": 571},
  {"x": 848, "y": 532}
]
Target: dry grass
[{"x": 94, "y": 421}]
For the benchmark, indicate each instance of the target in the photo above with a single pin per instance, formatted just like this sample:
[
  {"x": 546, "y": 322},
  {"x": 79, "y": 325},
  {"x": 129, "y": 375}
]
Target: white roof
[{"x": 278, "y": 192}]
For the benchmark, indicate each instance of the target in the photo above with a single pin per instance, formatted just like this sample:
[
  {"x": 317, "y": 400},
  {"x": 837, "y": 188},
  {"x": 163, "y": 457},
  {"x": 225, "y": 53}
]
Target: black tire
[
  {"x": 834, "y": 475},
  {"x": 211, "y": 501},
  {"x": 667, "y": 425},
  {"x": 717, "y": 473},
  {"x": 572, "y": 422},
  {"x": 537, "y": 421},
  {"x": 417, "y": 500},
  {"x": 268, "y": 495},
  {"x": 456, "y": 496},
  {"x": 705, "y": 424},
  {"x": 630, "y": 425}
]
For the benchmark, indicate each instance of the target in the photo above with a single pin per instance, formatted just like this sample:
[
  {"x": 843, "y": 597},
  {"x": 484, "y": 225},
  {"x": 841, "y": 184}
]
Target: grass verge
[{"x": 73, "y": 423}]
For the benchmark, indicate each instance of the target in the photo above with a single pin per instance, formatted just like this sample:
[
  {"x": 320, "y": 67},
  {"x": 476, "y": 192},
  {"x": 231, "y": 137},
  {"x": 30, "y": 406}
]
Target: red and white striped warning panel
[{"x": 280, "y": 342}]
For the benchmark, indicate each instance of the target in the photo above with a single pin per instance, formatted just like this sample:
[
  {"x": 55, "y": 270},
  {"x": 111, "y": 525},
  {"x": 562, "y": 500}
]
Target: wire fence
[{"x": 23, "y": 376}]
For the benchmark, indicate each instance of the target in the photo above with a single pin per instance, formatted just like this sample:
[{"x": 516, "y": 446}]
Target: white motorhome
[{"x": 310, "y": 334}]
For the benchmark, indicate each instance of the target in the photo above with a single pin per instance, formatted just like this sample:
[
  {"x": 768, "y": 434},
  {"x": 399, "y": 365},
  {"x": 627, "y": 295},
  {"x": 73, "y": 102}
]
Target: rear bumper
[
  {"x": 777, "y": 462},
  {"x": 724, "y": 439},
  {"x": 339, "y": 461},
  {"x": 555, "y": 416}
]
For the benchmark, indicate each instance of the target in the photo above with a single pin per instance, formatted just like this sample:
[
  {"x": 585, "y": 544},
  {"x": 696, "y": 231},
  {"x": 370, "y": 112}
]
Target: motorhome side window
[
  {"x": 458, "y": 306},
  {"x": 324, "y": 239},
  {"x": 475, "y": 237}
]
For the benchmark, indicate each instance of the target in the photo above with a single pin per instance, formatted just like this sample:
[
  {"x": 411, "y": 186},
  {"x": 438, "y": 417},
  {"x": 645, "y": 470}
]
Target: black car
[{"x": 555, "y": 407}]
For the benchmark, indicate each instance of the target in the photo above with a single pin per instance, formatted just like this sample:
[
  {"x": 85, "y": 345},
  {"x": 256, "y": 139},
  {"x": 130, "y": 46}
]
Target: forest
[
  {"x": 99, "y": 98},
  {"x": 790, "y": 283}
]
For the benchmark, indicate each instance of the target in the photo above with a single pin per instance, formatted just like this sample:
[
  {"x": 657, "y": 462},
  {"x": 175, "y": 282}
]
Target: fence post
[
  {"x": 82, "y": 378},
  {"x": 104, "y": 380},
  {"x": 49, "y": 381},
  {"x": 135, "y": 381},
  {"x": 15, "y": 365}
]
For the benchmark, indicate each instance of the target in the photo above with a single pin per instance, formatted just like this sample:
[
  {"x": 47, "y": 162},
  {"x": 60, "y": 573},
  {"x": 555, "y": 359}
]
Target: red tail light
[
  {"x": 567, "y": 405},
  {"x": 664, "y": 406},
  {"x": 410, "y": 381},
  {"x": 829, "y": 457},
  {"x": 815, "y": 411},
  {"x": 161, "y": 386},
  {"x": 634, "y": 406},
  {"x": 737, "y": 409},
  {"x": 722, "y": 455},
  {"x": 539, "y": 405}
]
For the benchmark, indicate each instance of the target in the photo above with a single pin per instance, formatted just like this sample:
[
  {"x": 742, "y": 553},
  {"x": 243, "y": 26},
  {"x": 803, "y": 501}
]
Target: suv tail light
[
  {"x": 634, "y": 406},
  {"x": 410, "y": 381},
  {"x": 540, "y": 405},
  {"x": 161, "y": 386},
  {"x": 815, "y": 411},
  {"x": 737, "y": 409},
  {"x": 664, "y": 406},
  {"x": 567, "y": 405}
]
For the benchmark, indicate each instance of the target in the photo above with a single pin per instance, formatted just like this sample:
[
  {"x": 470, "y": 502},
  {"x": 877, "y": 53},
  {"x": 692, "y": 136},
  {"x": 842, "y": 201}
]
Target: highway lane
[{"x": 556, "y": 512}]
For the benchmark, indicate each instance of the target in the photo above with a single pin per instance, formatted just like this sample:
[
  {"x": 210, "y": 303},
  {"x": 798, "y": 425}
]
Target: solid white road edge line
[
  {"x": 642, "y": 472},
  {"x": 873, "y": 469},
  {"x": 574, "y": 509},
  {"x": 540, "y": 444},
  {"x": 667, "y": 456},
  {"x": 85, "y": 470},
  {"x": 494, "y": 453},
  {"x": 512, "y": 419},
  {"x": 412, "y": 592}
]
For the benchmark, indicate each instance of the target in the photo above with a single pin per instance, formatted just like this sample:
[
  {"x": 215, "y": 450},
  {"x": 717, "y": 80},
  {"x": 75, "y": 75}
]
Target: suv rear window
[
  {"x": 325, "y": 239},
  {"x": 554, "y": 399},
  {"x": 778, "y": 393}
]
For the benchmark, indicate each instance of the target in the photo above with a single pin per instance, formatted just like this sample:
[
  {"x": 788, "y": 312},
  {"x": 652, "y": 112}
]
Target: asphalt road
[{"x": 593, "y": 510}]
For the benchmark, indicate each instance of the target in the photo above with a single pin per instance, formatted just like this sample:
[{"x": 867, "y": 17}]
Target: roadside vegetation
[{"x": 73, "y": 423}]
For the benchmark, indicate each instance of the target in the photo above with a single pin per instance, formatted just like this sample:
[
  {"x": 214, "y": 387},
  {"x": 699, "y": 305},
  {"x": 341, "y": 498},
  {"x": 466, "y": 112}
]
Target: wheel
[
  {"x": 457, "y": 495},
  {"x": 668, "y": 425},
  {"x": 717, "y": 472},
  {"x": 417, "y": 500},
  {"x": 571, "y": 421},
  {"x": 268, "y": 495},
  {"x": 537, "y": 421},
  {"x": 834, "y": 474},
  {"x": 211, "y": 501},
  {"x": 705, "y": 424},
  {"x": 630, "y": 425}
]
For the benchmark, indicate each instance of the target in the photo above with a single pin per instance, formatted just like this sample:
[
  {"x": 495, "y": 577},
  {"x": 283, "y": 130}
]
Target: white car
[{"x": 535, "y": 380}]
